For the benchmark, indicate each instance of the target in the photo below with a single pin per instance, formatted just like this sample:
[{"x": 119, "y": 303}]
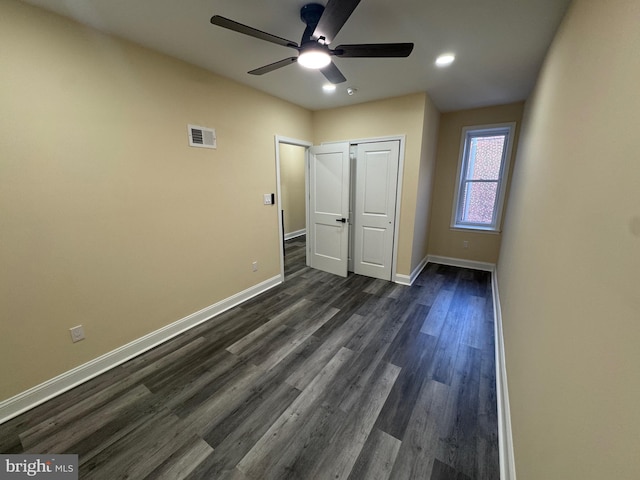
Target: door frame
[
  {"x": 279, "y": 139},
  {"x": 396, "y": 227}
]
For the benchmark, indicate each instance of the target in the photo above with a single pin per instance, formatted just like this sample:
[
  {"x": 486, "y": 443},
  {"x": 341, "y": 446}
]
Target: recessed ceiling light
[
  {"x": 445, "y": 59},
  {"x": 329, "y": 88}
]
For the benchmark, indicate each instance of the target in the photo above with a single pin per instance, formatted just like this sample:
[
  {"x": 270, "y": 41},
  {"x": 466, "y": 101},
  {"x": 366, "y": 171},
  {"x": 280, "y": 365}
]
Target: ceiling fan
[{"x": 323, "y": 24}]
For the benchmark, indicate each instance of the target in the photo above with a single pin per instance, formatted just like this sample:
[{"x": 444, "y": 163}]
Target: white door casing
[
  {"x": 375, "y": 208},
  {"x": 328, "y": 227}
]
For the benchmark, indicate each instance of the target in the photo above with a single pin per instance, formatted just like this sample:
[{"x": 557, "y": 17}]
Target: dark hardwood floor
[
  {"x": 321, "y": 377},
  {"x": 294, "y": 255}
]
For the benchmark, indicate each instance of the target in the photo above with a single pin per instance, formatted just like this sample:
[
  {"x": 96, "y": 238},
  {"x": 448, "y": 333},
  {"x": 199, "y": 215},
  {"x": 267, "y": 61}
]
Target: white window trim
[{"x": 502, "y": 182}]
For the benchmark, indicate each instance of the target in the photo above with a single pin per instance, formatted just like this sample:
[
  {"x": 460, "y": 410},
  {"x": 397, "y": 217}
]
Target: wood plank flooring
[{"x": 319, "y": 378}]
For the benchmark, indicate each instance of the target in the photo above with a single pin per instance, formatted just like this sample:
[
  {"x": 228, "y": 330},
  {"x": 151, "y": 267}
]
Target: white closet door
[{"x": 375, "y": 208}]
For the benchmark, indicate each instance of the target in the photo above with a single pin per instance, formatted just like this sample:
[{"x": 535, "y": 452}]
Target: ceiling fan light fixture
[
  {"x": 322, "y": 25},
  {"x": 445, "y": 59},
  {"x": 314, "y": 58}
]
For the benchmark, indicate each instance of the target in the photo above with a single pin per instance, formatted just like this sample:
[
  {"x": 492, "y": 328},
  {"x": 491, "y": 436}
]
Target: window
[{"x": 482, "y": 172}]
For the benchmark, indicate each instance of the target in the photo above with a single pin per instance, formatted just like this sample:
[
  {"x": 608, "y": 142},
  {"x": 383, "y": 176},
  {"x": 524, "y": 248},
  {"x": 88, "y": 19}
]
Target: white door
[
  {"x": 328, "y": 231},
  {"x": 375, "y": 208}
]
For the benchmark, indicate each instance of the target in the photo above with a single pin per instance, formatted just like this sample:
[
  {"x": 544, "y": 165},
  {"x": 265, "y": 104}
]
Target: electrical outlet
[
  {"x": 465, "y": 244},
  {"x": 254, "y": 266},
  {"x": 77, "y": 333}
]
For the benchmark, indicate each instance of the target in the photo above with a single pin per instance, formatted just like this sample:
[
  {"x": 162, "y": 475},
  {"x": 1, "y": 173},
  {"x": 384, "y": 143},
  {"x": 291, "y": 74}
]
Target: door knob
[{"x": 342, "y": 220}]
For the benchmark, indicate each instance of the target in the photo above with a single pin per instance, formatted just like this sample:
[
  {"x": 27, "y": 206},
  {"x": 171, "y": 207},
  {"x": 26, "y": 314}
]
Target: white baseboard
[
  {"x": 454, "y": 262},
  {"x": 409, "y": 279},
  {"x": 505, "y": 437},
  {"x": 297, "y": 233},
  {"x": 460, "y": 262},
  {"x": 33, "y": 397},
  {"x": 402, "y": 279}
]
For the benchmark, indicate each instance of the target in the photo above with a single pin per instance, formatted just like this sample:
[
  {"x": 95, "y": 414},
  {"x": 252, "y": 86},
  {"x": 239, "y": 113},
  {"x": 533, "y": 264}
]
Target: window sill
[{"x": 458, "y": 228}]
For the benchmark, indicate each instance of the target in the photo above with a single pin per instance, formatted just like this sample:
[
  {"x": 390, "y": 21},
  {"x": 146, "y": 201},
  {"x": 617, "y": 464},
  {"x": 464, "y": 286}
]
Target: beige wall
[
  {"x": 570, "y": 259},
  {"x": 443, "y": 240},
  {"x": 426, "y": 179},
  {"x": 108, "y": 218},
  {"x": 292, "y": 187},
  {"x": 395, "y": 116}
]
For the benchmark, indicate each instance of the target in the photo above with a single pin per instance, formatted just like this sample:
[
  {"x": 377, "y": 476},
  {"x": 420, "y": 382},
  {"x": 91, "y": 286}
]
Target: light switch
[{"x": 269, "y": 198}]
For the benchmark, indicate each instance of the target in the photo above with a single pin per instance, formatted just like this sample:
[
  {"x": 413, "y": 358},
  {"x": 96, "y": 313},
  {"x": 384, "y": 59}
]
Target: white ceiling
[{"x": 499, "y": 44}]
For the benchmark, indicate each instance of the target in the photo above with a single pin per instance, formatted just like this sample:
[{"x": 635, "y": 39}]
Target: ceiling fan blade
[
  {"x": 252, "y": 32},
  {"x": 273, "y": 66},
  {"x": 335, "y": 15},
  {"x": 374, "y": 50},
  {"x": 333, "y": 74}
]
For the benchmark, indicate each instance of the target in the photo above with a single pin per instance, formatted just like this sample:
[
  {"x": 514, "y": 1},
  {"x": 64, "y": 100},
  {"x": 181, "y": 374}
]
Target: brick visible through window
[{"x": 482, "y": 167}]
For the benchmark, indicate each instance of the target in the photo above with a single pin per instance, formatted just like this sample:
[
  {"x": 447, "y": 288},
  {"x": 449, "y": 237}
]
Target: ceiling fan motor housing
[{"x": 310, "y": 14}]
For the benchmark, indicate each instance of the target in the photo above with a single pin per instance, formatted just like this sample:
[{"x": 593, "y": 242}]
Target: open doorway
[
  {"x": 292, "y": 206},
  {"x": 291, "y": 159}
]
